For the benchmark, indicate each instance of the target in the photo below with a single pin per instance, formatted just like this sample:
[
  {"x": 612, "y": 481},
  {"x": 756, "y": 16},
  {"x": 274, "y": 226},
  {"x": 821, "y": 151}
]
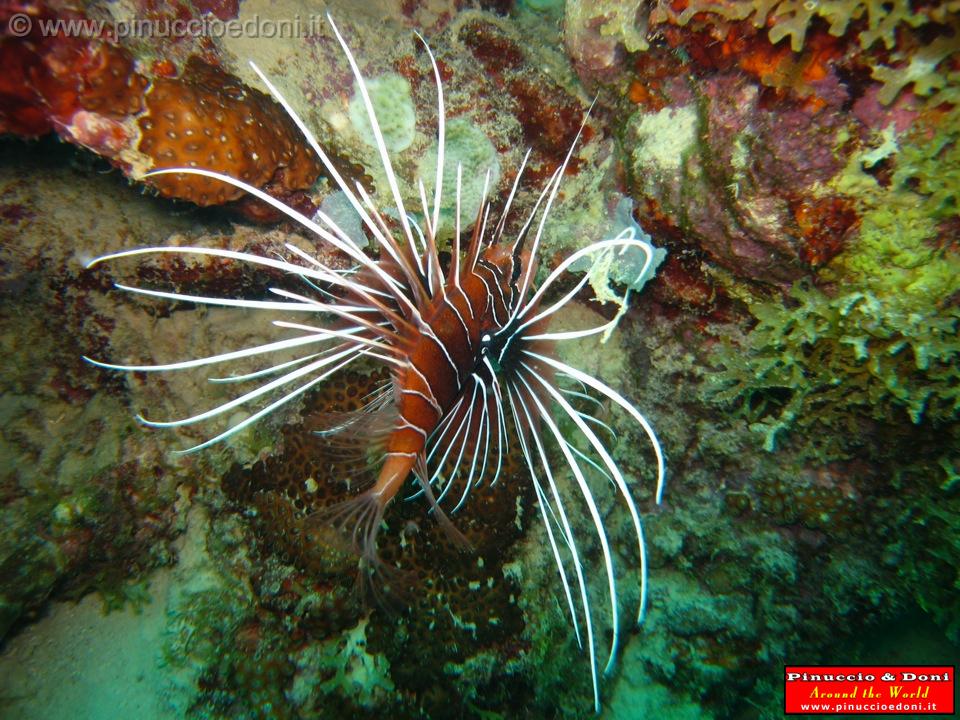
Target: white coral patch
[
  {"x": 664, "y": 137},
  {"x": 468, "y": 147}
]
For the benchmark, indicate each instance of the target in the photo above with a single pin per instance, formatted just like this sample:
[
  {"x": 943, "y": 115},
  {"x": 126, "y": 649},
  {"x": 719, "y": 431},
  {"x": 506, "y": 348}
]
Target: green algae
[
  {"x": 828, "y": 361},
  {"x": 932, "y": 169},
  {"x": 886, "y": 343},
  {"x": 927, "y": 533}
]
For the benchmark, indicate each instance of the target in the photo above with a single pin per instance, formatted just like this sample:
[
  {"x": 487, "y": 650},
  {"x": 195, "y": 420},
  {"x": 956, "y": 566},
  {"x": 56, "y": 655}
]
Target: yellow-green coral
[
  {"x": 832, "y": 361},
  {"x": 895, "y": 257},
  {"x": 790, "y": 18},
  {"x": 932, "y": 169},
  {"x": 911, "y": 63},
  {"x": 619, "y": 21},
  {"x": 888, "y": 342},
  {"x": 921, "y": 67},
  {"x": 897, "y": 254}
]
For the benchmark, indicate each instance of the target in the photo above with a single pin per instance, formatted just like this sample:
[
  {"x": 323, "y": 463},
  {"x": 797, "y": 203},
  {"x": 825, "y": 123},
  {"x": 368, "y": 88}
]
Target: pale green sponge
[
  {"x": 393, "y": 103},
  {"x": 469, "y": 147}
]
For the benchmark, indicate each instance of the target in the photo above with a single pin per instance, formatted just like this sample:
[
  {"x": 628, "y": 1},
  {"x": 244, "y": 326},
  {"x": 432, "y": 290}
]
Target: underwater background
[{"x": 797, "y": 353}]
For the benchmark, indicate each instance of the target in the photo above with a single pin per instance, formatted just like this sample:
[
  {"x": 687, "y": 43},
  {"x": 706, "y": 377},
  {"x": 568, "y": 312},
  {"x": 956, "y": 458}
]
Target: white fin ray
[{"x": 568, "y": 531}]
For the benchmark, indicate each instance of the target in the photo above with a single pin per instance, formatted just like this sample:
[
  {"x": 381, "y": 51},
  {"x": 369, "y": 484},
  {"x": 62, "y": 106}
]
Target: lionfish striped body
[
  {"x": 445, "y": 360},
  {"x": 473, "y": 376},
  {"x": 444, "y": 390}
]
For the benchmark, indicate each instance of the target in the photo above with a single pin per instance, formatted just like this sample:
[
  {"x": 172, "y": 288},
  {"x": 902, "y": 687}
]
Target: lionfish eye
[{"x": 489, "y": 352}]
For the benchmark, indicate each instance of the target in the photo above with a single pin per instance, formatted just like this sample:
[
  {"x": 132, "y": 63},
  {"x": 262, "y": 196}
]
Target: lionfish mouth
[{"x": 469, "y": 352}]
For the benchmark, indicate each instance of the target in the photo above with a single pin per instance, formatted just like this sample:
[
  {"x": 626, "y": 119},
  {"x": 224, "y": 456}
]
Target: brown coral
[
  {"x": 112, "y": 86},
  {"x": 208, "y": 119},
  {"x": 458, "y": 603},
  {"x": 823, "y": 224},
  {"x": 91, "y": 92},
  {"x": 827, "y": 498},
  {"x": 548, "y": 114}
]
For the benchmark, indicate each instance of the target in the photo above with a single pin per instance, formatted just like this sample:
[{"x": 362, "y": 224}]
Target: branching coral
[
  {"x": 932, "y": 169},
  {"x": 791, "y": 18},
  {"x": 889, "y": 340},
  {"x": 924, "y": 69},
  {"x": 835, "y": 361}
]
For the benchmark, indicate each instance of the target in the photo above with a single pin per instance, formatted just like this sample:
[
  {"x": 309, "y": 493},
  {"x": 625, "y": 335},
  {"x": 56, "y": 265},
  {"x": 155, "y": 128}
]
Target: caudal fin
[{"x": 352, "y": 526}]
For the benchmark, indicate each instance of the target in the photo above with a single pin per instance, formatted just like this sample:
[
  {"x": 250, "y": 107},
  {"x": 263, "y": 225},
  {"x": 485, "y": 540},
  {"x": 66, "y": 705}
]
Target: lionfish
[{"x": 468, "y": 351}]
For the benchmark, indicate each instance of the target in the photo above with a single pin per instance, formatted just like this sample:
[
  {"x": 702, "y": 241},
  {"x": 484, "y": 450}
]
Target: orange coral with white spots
[
  {"x": 47, "y": 79},
  {"x": 93, "y": 92},
  {"x": 111, "y": 84},
  {"x": 209, "y": 119}
]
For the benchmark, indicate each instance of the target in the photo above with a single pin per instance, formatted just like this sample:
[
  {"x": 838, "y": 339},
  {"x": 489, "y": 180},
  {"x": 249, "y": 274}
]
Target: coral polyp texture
[
  {"x": 205, "y": 118},
  {"x": 470, "y": 605},
  {"x": 50, "y": 79}
]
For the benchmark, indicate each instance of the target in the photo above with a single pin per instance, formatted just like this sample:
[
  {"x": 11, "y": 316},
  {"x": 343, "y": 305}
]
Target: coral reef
[
  {"x": 759, "y": 555},
  {"x": 855, "y": 369},
  {"x": 737, "y": 116},
  {"x": 928, "y": 527},
  {"x": 718, "y": 166},
  {"x": 85, "y": 506},
  {"x": 870, "y": 22},
  {"x": 889, "y": 338}
]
